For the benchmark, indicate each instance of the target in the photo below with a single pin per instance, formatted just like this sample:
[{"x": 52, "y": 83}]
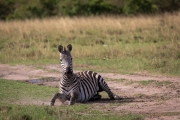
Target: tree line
[{"x": 29, "y": 9}]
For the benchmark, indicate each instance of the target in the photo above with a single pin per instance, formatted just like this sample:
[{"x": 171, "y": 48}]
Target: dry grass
[
  {"x": 66, "y": 27},
  {"x": 154, "y": 40}
]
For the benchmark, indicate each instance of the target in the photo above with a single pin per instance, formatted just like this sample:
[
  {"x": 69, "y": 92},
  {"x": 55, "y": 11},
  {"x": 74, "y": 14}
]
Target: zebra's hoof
[
  {"x": 117, "y": 97},
  {"x": 51, "y": 104},
  {"x": 70, "y": 103}
]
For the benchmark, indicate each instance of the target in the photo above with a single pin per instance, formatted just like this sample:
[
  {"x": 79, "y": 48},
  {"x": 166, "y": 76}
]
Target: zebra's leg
[
  {"x": 73, "y": 98},
  {"x": 59, "y": 96},
  {"x": 95, "y": 97},
  {"x": 103, "y": 86}
]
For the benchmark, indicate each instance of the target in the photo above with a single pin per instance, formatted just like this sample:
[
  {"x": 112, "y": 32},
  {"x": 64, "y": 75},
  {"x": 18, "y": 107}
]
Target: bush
[
  {"x": 24, "y": 9},
  {"x": 6, "y": 8},
  {"x": 92, "y": 7},
  {"x": 168, "y": 5},
  {"x": 139, "y": 6}
]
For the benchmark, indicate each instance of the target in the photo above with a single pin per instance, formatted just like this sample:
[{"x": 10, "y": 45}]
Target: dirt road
[{"x": 156, "y": 96}]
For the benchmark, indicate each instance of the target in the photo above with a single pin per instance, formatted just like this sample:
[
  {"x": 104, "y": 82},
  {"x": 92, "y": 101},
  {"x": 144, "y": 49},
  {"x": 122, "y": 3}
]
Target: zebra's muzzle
[{"x": 68, "y": 72}]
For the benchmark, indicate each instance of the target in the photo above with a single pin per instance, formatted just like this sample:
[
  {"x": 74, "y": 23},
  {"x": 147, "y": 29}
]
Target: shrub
[
  {"x": 92, "y": 7},
  {"x": 6, "y": 8},
  {"x": 139, "y": 6}
]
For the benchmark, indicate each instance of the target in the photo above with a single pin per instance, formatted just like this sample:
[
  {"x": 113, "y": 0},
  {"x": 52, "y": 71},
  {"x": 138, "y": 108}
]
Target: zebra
[{"x": 81, "y": 86}]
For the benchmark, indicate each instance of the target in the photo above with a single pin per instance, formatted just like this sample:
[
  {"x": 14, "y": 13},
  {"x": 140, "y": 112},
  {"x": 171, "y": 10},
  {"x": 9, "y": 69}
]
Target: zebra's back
[{"x": 89, "y": 85}]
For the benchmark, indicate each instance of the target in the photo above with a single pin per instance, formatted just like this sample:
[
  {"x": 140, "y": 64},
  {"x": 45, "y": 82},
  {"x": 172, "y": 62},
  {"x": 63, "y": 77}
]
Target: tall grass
[{"x": 131, "y": 44}]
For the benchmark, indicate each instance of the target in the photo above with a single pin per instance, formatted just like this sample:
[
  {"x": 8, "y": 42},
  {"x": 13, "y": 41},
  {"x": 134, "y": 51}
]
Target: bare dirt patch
[{"x": 159, "y": 99}]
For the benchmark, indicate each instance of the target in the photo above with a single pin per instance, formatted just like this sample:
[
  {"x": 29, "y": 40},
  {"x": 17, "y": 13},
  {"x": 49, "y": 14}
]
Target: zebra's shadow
[{"x": 122, "y": 100}]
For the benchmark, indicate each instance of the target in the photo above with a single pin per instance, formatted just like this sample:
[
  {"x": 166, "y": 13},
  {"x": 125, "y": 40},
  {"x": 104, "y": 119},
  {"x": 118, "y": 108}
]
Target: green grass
[
  {"x": 144, "y": 82},
  {"x": 120, "y": 65},
  {"x": 76, "y": 112},
  {"x": 154, "y": 82},
  {"x": 108, "y": 44},
  {"x": 149, "y": 82},
  {"x": 12, "y": 92}
]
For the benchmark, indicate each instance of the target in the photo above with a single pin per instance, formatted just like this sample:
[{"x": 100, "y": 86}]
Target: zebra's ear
[
  {"x": 69, "y": 47},
  {"x": 60, "y": 48}
]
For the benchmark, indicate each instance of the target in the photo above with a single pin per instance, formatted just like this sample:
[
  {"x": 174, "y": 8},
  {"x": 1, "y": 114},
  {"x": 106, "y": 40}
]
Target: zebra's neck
[{"x": 66, "y": 80}]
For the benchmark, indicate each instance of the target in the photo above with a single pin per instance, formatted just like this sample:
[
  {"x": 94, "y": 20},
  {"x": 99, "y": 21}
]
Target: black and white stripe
[
  {"x": 90, "y": 84},
  {"x": 81, "y": 86}
]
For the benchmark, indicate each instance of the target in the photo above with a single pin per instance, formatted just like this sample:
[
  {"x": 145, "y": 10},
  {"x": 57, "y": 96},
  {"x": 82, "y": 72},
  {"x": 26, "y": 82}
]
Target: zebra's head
[{"x": 66, "y": 60}]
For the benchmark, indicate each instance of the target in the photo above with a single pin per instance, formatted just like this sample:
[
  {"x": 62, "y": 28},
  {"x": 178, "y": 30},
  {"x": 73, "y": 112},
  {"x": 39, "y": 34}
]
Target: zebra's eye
[
  {"x": 60, "y": 59},
  {"x": 71, "y": 58}
]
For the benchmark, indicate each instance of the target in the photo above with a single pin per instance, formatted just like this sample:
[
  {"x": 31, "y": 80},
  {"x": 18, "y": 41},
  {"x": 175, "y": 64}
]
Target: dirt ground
[{"x": 159, "y": 100}]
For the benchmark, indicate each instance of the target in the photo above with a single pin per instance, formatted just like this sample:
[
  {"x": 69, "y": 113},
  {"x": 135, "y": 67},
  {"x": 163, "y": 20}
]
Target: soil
[{"x": 159, "y": 100}]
